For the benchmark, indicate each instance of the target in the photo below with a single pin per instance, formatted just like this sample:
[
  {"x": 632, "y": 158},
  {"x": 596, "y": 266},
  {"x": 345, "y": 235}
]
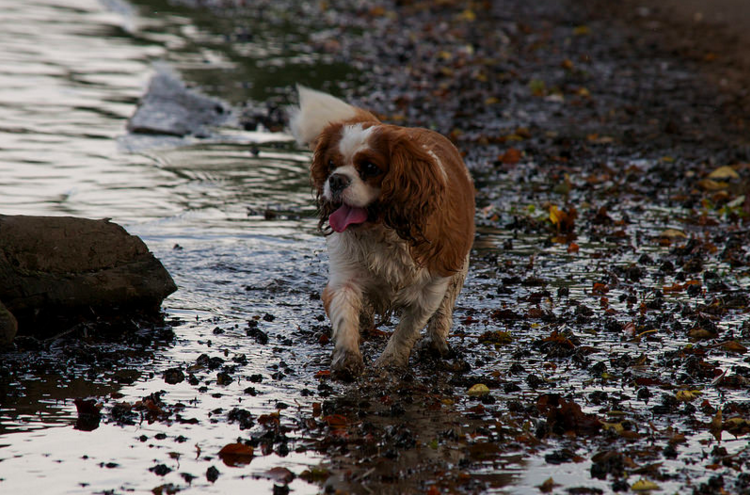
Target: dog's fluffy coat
[{"x": 399, "y": 204}]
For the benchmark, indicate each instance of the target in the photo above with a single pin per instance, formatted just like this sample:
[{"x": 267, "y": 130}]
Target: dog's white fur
[{"x": 315, "y": 111}]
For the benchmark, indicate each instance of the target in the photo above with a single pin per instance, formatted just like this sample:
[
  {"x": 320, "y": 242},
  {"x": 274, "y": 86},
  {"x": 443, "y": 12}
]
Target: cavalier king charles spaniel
[{"x": 399, "y": 205}]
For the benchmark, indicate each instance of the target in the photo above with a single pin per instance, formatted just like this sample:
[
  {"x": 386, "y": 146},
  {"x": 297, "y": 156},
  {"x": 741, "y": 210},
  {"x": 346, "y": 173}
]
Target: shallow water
[{"x": 71, "y": 74}]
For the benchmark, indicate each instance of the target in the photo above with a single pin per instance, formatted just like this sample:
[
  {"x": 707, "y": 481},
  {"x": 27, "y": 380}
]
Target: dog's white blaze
[
  {"x": 359, "y": 193},
  {"x": 353, "y": 140}
]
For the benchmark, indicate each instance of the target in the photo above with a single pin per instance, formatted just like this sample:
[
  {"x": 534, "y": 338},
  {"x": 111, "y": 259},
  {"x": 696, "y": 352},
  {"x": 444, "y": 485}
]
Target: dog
[{"x": 397, "y": 206}]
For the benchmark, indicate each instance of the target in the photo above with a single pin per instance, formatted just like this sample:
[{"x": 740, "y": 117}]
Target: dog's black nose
[{"x": 338, "y": 182}]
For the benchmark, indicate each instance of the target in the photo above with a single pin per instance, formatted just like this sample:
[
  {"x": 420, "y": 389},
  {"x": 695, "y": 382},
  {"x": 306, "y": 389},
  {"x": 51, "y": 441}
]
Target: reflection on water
[{"x": 227, "y": 219}]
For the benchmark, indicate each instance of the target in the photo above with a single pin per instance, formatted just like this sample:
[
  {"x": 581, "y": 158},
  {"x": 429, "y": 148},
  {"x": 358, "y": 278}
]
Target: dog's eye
[
  {"x": 369, "y": 169},
  {"x": 331, "y": 166}
]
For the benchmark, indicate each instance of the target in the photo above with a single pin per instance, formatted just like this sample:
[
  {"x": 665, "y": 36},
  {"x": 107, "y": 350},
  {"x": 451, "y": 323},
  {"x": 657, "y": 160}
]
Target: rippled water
[{"x": 71, "y": 74}]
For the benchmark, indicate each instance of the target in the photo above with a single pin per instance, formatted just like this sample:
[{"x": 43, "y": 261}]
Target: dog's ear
[
  {"x": 316, "y": 111},
  {"x": 323, "y": 154},
  {"x": 412, "y": 189}
]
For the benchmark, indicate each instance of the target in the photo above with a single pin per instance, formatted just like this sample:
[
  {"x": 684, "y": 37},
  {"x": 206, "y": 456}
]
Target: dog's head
[{"x": 365, "y": 171}]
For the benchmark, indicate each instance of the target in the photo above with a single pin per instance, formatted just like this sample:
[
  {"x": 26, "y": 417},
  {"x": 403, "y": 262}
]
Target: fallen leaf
[
  {"x": 734, "y": 346},
  {"x": 643, "y": 485},
  {"x": 336, "y": 420},
  {"x": 700, "y": 334},
  {"x": 236, "y": 454},
  {"x": 315, "y": 475},
  {"x": 687, "y": 395},
  {"x": 616, "y": 427},
  {"x": 89, "y": 414},
  {"x": 673, "y": 234},
  {"x": 736, "y": 426},
  {"x": 715, "y": 426},
  {"x": 478, "y": 390},
  {"x": 510, "y": 157},
  {"x": 712, "y": 185},
  {"x": 563, "y": 220},
  {"x": 599, "y": 288},
  {"x": 548, "y": 485},
  {"x": 725, "y": 172}
]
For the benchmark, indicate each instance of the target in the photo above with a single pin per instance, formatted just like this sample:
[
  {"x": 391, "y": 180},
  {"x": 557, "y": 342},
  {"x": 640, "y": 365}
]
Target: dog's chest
[{"x": 377, "y": 259}]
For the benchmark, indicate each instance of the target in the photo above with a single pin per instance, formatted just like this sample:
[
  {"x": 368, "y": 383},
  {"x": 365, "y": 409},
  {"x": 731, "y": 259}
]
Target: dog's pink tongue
[{"x": 347, "y": 215}]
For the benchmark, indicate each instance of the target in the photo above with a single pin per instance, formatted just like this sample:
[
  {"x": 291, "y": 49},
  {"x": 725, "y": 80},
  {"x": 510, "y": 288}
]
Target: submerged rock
[
  {"x": 64, "y": 269},
  {"x": 169, "y": 107}
]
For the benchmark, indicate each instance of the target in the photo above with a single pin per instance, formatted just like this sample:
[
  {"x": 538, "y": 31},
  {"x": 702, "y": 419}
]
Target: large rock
[{"x": 56, "y": 269}]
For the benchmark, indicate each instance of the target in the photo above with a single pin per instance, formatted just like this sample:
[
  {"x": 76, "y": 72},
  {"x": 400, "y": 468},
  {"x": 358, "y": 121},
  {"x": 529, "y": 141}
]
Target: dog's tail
[{"x": 316, "y": 110}]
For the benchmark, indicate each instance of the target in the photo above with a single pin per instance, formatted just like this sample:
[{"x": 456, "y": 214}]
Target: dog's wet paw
[
  {"x": 433, "y": 348},
  {"x": 347, "y": 365}
]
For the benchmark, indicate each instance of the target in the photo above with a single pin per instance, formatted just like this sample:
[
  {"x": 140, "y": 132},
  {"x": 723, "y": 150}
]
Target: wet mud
[{"x": 600, "y": 342}]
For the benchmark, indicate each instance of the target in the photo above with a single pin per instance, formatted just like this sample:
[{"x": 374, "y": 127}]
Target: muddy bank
[{"x": 608, "y": 314}]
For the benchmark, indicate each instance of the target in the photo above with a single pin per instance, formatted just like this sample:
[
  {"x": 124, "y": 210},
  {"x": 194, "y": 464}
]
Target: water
[{"x": 71, "y": 75}]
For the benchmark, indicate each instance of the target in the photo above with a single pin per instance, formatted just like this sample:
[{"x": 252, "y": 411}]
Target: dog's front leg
[
  {"x": 421, "y": 305},
  {"x": 343, "y": 304}
]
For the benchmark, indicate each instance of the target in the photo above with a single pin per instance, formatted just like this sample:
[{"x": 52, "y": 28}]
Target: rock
[
  {"x": 169, "y": 107},
  {"x": 58, "y": 269},
  {"x": 8, "y": 326}
]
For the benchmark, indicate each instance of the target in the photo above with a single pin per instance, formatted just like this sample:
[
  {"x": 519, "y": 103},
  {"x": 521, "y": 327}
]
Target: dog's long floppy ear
[
  {"x": 316, "y": 111},
  {"x": 411, "y": 192}
]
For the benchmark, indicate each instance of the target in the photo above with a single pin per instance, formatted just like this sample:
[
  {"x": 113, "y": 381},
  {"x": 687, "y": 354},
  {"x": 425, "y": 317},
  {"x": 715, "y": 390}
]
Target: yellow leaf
[
  {"x": 581, "y": 30},
  {"x": 687, "y": 395},
  {"x": 644, "y": 485},
  {"x": 555, "y": 215},
  {"x": 712, "y": 185},
  {"x": 724, "y": 172},
  {"x": 478, "y": 390},
  {"x": 468, "y": 15},
  {"x": 715, "y": 426},
  {"x": 492, "y": 100},
  {"x": 673, "y": 234},
  {"x": 616, "y": 427}
]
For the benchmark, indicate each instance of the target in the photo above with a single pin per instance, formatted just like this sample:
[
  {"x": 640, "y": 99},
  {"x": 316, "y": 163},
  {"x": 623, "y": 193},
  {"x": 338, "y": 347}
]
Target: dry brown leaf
[
  {"x": 725, "y": 172},
  {"x": 236, "y": 454}
]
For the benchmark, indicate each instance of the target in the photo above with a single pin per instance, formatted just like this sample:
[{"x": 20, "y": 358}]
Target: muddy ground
[{"x": 600, "y": 344}]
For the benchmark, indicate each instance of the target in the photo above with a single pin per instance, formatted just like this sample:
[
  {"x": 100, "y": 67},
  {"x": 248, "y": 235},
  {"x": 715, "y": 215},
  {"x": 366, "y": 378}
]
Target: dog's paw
[
  {"x": 347, "y": 365},
  {"x": 434, "y": 348},
  {"x": 392, "y": 361}
]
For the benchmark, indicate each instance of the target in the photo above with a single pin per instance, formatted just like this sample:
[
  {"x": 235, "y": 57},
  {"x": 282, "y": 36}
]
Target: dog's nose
[{"x": 338, "y": 182}]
